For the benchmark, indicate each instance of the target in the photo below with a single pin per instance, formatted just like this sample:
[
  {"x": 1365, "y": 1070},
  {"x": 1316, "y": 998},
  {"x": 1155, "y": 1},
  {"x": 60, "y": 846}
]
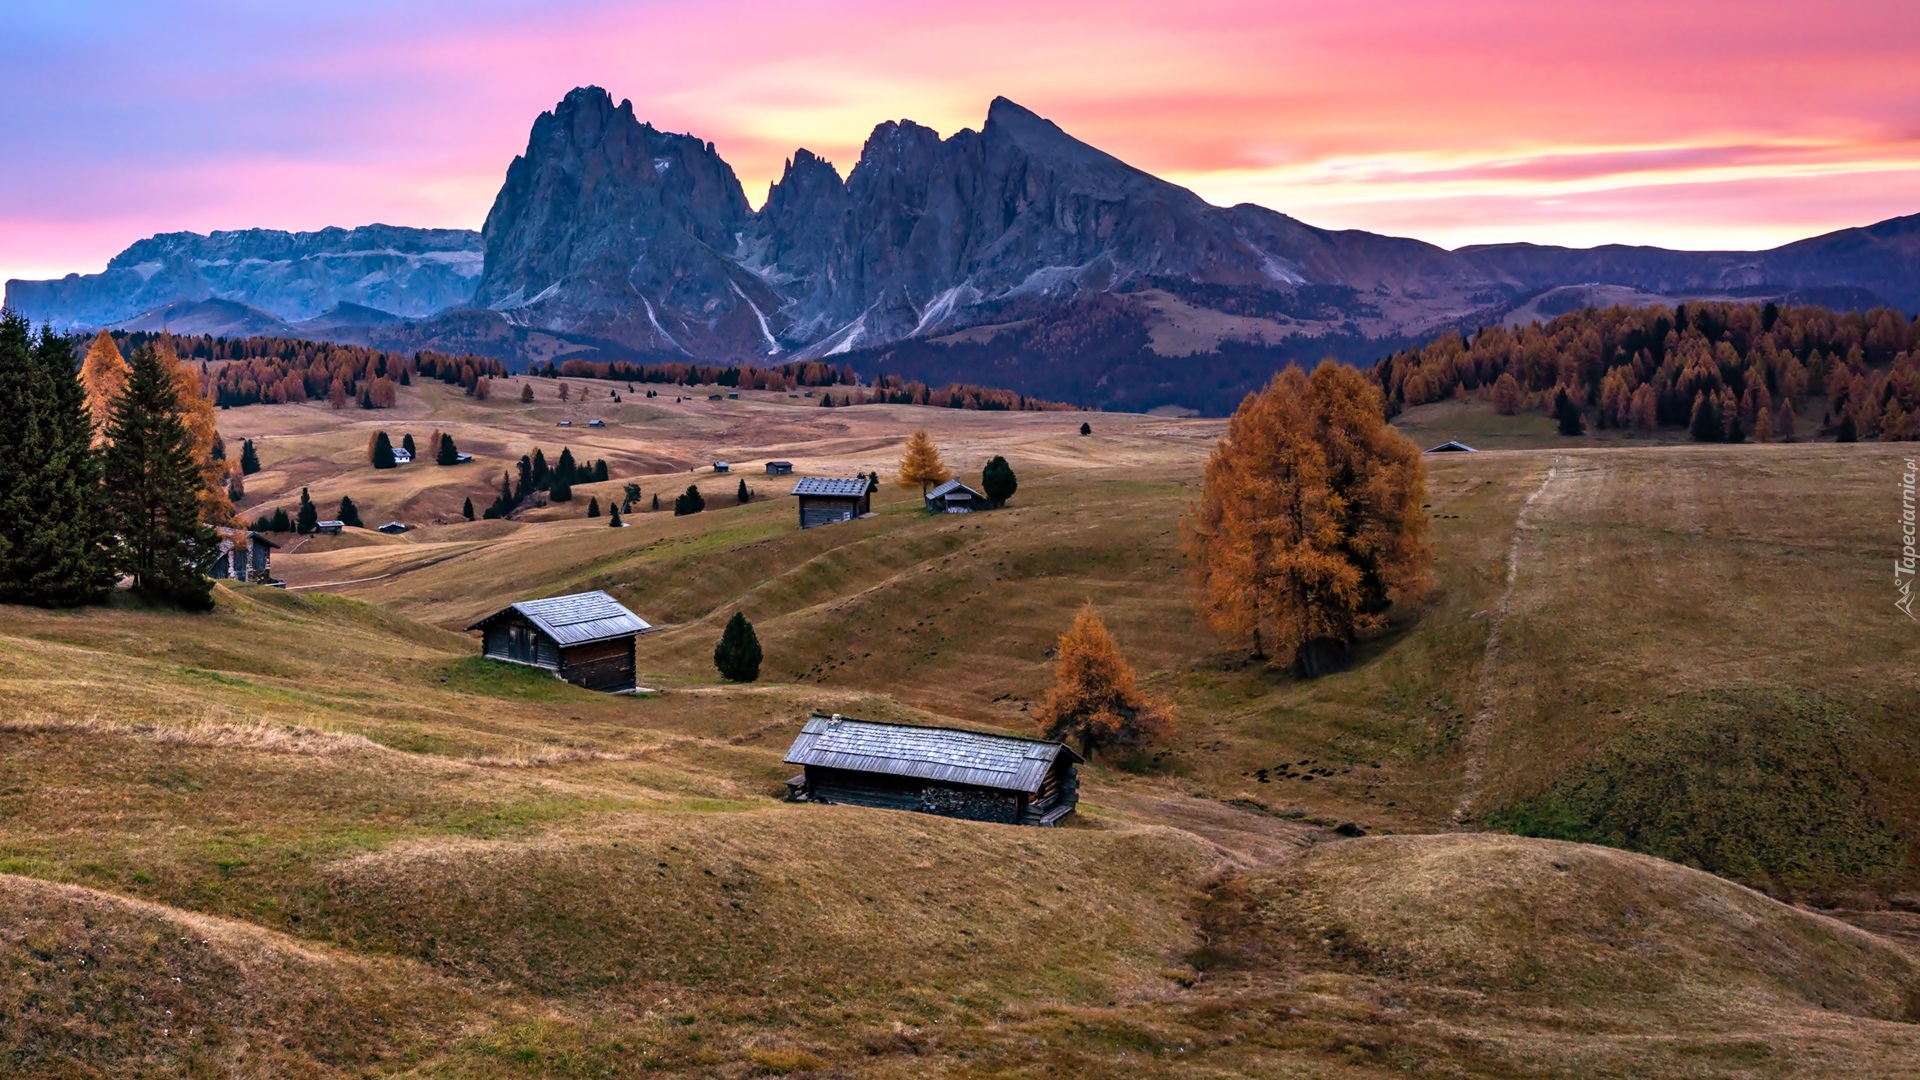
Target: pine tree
[
  {"x": 280, "y": 523},
  {"x": 1086, "y": 428},
  {"x": 692, "y": 502},
  {"x": 1568, "y": 414},
  {"x": 380, "y": 451},
  {"x": 593, "y": 507},
  {"x": 526, "y": 393},
  {"x": 406, "y": 441},
  {"x": 53, "y": 540},
  {"x": 742, "y": 496},
  {"x": 1848, "y": 430},
  {"x": 1705, "y": 425},
  {"x": 1095, "y": 699},
  {"x": 448, "y": 453},
  {"x": 542, "y": 476},
  {"x": 349, "y": 514},
  {"x": 104, "y": 373},
  {"x": 560, "y": 486},
  {"x": 249, "y": 460},
  {"x": 613, "y": 517},
  {"x": 600, "y": 471},
  {"x": 656, "y": 500},
  {"x": 566, "y": 471},
  {"x": 921, "y": 463},
  {"x": 309, "y": 517},
  {"x": 466, "y": 508},
  {"x": 154, "y": 486},
  {"x": 997, "y": 481},
  {"x": 738, "y": 655}
]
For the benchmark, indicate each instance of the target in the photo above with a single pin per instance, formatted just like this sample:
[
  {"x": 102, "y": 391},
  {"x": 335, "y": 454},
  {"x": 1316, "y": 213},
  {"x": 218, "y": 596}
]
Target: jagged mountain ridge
[{"x": 292, "y": 276}]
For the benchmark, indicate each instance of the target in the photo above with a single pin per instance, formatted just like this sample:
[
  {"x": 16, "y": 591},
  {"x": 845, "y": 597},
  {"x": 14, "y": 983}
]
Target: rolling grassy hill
[{"x": 359, "y": 849}]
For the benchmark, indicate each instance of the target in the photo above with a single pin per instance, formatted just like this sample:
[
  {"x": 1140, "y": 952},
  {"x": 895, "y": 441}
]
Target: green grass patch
[{"x": 1761, "y": 786}]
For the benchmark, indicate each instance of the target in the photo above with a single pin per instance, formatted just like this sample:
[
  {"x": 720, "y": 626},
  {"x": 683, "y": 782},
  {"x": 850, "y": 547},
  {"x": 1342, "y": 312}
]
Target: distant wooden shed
[
  {"x": 954, "y": 497},
  {"x": 824, "y": 500},
  {"x": 934, "y": 770},
  {"x": 1452, "y": 446},
  {"x": 585, "y": 638},
  {"x": 330, "y": 527},
  {"x": 394, "y": 528},
  {"x": 779, "y": 468}
]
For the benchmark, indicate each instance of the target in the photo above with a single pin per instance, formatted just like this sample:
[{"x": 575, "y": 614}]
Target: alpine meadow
[{"x": 984, "y": 610}]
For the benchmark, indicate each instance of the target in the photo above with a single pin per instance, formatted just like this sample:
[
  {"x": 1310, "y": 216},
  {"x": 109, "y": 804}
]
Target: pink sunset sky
[{"x": 1712, "y": 124}]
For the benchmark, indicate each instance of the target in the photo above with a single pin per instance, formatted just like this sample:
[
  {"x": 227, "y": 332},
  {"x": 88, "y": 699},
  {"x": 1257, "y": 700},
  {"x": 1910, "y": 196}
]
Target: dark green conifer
[
  {"x": 349, "y": 513},
  {"x": 593, "y": 507},
  {"x": 382, "y": 451},
  {"x": 743, "y": 496},
  {"x": 613, "y": 518},
  {"x": 1086, "y": 428},
  {"x": 54, "y": 543},
  {"x": 1568, "y": 414},
  {"x": 449, "y": 454},
  {"x": 466, "y": 509},
  {"x": 1705, "y": 425},
  {"x": 738, "y": 654},
  {"x": 309, "y": 515},
  {"x": 249, "y": 460},
  {"x": 153, "y": 489},
  {"x": 997, "y": 481}
]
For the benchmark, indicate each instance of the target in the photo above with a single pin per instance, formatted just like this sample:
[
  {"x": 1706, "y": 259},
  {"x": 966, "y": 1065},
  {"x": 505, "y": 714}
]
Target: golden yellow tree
[
  {"x": 1095, "y": 699},
  {"x": 1309, "y": 526},
  {"x": 921, "y": 463},
  {"x": 197, "y": 411},
  {"x": 104, "y": 374}
]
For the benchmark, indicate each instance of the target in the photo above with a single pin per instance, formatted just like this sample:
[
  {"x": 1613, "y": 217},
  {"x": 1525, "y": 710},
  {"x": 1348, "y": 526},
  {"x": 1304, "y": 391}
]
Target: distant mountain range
[{"x": 1067, "y": 271}]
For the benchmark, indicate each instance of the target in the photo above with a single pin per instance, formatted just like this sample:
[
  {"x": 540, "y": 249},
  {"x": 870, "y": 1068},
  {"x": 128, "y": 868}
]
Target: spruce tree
[
  {"x": 309, "y": 515},
  {"x": 565, "y": 469},
  {"x": 53, "y": 538},
  {"x": 153, "y": 485},
  {"x": 406, "y": 441},
  {"x": 281, "y": 523},
  {"x": 1086, "y": 428},
  {"x": 448, "y": 453},
  {"x": 613, "y": 518},
  {"x": 656, "y": 500},
  {"x": 349, "y": 513},
  {"x": 738, "y": 654},
  {"x": 560, "y": 488},
  {"x": 1705, "y": 425},
  {"x": 1848, "y": 432},
  {"x": 381, "y": 451},
  {"x": 742, "y": 496},
  {"x": 1568, "y": 414},
  {"x": 466, "y": 509},
  {"x": 997, "y": 481},
  {"x": 249, "y": 460},
  {"x": 593, "y": 507}
]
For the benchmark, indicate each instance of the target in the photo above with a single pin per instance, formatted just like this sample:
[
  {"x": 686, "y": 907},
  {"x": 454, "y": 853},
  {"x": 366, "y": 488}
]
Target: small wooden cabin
[
  {"x": 330, "y": 527},
  {"x": 779, "y": 468},
  {"x": 402, "y": 456},
  {"x": 954, "y": 497},
  {"x": 585, "y": 638},
  {"x": 1452, "y": 446},
  {"x": 243, "y": 555},
  {"x": 946, "y": 771},
  {"x": 824, "y": 500},
  {"x": 394, "y": 528}
]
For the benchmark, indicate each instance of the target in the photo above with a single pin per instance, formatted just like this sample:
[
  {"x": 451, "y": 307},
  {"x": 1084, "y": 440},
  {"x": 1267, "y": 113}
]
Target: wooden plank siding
[{"x": 600, "y": 665}]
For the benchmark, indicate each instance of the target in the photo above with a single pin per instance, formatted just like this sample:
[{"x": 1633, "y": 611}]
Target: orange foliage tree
[
  {"x": 921, "y": 463},
  {"x": 1095, "y": 699},
  {"x": 1309, "y": 525},
  {"x": 104, "y": 374}
]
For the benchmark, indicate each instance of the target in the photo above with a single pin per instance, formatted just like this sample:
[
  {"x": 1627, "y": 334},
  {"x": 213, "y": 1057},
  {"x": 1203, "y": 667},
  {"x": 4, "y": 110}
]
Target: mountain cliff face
[{"x": 291, "y": 276}]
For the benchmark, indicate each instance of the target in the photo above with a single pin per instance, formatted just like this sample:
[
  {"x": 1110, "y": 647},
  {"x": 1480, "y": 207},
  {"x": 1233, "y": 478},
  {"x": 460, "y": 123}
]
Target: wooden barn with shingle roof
[
  {"x": 965, "y": 774},
  {"x": 585, "y": 638}
]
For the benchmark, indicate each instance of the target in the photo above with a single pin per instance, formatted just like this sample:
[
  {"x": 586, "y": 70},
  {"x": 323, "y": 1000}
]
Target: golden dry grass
[{"x": 405, "y": 859}]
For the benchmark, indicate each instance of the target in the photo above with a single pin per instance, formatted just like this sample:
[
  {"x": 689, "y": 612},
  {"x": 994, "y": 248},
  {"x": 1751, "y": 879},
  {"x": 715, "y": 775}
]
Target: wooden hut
[
  {"x": 954, "y": 497},
  {"x": 394, "y": 528},
  {"x": 330, "y": 527},
  {"x": 779, "y": 468},
  {"x": 585, "y": 638},
  {"x": 824, "y": 500},
  {"x": 933, "y": 770},
  {"x": 1452, "y": 446},
  {"x": 243, "y": 555}
]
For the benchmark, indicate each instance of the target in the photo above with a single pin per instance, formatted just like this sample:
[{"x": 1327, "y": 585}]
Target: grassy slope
[{"x": 572, "y": 884}]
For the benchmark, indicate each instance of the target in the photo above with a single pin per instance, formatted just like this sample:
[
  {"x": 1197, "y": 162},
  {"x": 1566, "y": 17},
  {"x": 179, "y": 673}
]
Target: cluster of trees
[
  {"x": 893, "y": 390},
  {"x": 440, "y": 448},
  {"x": 109, "y": 473},
  {"x": 1722, "y": 371},
  {"x": 306, "y": 518},
  {"x": 741, "y": 377},
  {"x": 689, "y": 501},
  {"x": 532, "y": 475},
  {"x": 277, "y": 370},
  {"x": 1310, "y": 525}
]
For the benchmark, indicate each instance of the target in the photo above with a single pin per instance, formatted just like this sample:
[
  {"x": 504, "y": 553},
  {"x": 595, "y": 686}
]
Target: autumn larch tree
[
  {"x": 1784, "y": 421},
  {"x": 921, "y": 463},
  {"x": 1096, "y": 700},
  {"x": 154, "y": 487},
  {"x": 526, "y": 393},
  {"x": 1506, "y": 394},
  {"x": 1309, "y": 526},
  {"x": 104, "y": 373}
]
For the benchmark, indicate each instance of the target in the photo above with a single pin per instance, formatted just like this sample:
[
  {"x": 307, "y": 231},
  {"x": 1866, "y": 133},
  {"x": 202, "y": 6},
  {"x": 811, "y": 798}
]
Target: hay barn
[
  {"x": 824, "y": 500},
  {"x": 585, "y": 638},
  {"x": 946, "y": 771}
]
